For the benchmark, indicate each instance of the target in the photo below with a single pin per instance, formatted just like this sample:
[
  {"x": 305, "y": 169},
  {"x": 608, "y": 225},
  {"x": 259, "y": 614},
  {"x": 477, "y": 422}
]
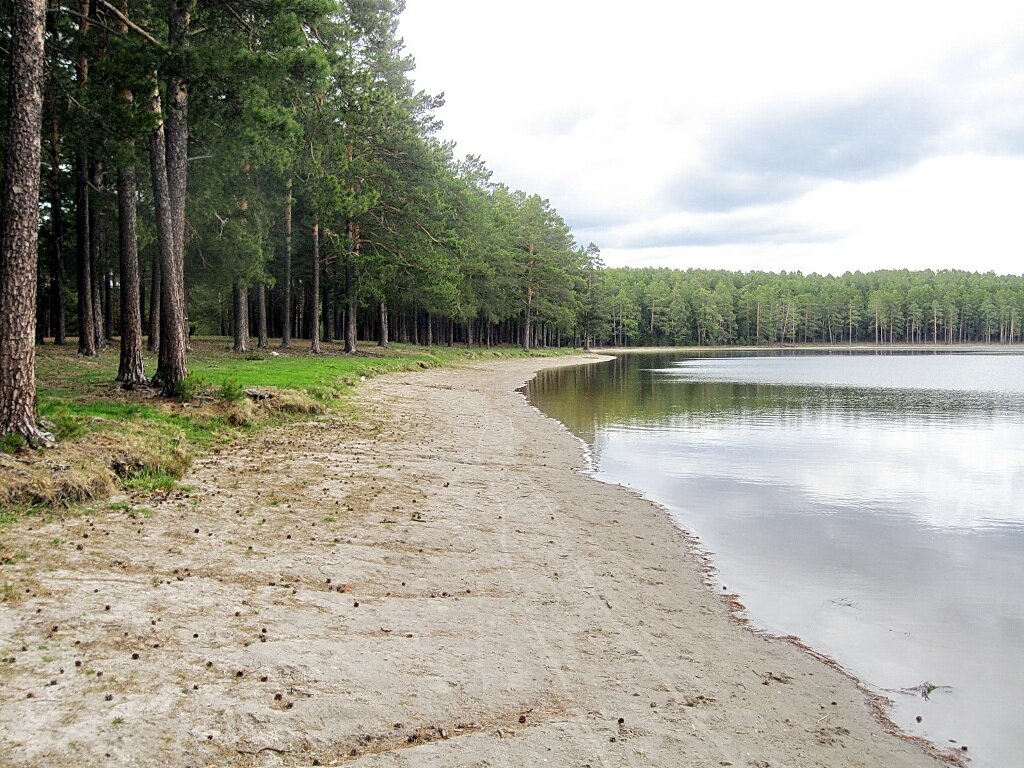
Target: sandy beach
[{"x": 433, "y": 581}]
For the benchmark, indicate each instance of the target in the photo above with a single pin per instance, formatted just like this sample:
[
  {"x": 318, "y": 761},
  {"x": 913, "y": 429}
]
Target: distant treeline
[{"x": 641, "y": 307}]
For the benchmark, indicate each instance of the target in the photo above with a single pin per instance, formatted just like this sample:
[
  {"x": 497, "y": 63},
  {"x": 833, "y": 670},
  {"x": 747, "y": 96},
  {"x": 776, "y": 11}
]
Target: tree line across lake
[{"x": 268, "y": 169}]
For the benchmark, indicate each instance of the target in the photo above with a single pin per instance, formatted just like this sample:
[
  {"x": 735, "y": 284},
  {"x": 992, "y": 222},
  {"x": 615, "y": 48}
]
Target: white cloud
[{"x": 637, "y": 119}]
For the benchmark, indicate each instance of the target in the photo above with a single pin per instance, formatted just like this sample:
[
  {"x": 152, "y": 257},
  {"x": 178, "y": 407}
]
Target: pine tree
[{"x": 19, "y": 232}]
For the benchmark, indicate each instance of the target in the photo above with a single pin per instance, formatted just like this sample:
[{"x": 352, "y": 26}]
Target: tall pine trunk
[
  {"x": 328, "y": 285},
  {"x": 314, "y": 292},
  {"x": 153, "y": 340},
  {"x": 526, "y": 324},
  {"x": 350, "y": 289},
  {"x": 19, "y": 224},
  {"x": 95, "y": 246},
  {"x": 241, "y": 317},
  {"x": 382, "y": 339},
  {"x": 86, "y": 332},
  {"x": 57, "y": 226},
  {"x": 262, "y": 341},
  {"x": 286, "y": 288},
  {"x": 130, "y": 371},
  {"x": 164, "y": 228},
  {"x": 108, "y": 305},
  {"x": 83, "y": 274},
  {"x": 173, "y": 365}
]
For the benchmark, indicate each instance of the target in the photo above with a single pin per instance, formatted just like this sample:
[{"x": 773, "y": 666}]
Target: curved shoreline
[
  {"x": 431, "y": 583},
  {"x": 878, "y": 703}
]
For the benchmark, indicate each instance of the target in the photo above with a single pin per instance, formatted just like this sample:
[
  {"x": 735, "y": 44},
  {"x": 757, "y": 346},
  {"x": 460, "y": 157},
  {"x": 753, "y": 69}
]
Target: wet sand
[{"x": 434, "y": 582}]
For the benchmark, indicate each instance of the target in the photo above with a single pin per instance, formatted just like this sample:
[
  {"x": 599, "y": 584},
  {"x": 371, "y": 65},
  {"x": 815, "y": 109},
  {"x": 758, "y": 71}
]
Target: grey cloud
[
  {"x": 583, "y": 218},
  {"x": 723, "y": 190},
  {"x": 985, "y": 93},
  {"x": 718, "y": 231},
  {"x": 849, "y": 140},
  {"x": 777, "y": 156},
  {"x": 973, "y": 105}
]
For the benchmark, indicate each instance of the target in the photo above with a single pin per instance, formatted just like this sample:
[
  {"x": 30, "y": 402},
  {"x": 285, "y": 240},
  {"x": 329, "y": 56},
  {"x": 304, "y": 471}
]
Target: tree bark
[
  {"x": 382, "y": 338},
  {"x": 153, "y": 341},
  {"x": 328, "y": 285},
  {"x": 19, "y": 225},
  {"x": 176, "y": 130},
  {"x": 286, "y": 326},
  {"x": 86, "y": 330},
  {"x": 261, "y": 316},
  {"x": 130, "y": 371},
  {"x": 165, "y": 242},
  {"x": 241, "y": 313},
  {"x": 314, "y": 322},
  {"x": 172, "y": 366},
  {"x": 526, "y": 323},
  {"x": 108, "y": 305},
  {"x": 57, "y": 226},
  {"x": 350, "y": 289},
  {"x": 95, "y": 246}
]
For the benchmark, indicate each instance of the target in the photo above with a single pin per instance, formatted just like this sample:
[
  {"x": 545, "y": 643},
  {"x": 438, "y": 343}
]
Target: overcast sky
[{"x": 779, "y": 135}]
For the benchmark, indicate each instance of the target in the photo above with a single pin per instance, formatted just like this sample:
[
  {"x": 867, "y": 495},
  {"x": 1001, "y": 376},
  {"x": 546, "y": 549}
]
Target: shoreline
[
  {"x": 878, "y": 703},
  {"x": 822, "y": 347},
  {"x": 436, "y": 583}
]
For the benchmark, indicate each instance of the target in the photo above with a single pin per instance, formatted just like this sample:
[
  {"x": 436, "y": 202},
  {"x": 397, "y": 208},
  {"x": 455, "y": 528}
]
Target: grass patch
[
  {"x": 149, "y": 480},
  {"x": 110, "y": 439},
  {"x": 9, "y": 593}
]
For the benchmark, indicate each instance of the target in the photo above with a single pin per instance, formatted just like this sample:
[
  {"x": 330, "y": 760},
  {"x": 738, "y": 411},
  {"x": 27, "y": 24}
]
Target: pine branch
[{"x": 130, "y": 24}]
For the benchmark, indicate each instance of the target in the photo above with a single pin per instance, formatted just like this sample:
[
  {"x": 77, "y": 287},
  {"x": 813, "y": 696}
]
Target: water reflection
[{"x": 872, "y": 505}]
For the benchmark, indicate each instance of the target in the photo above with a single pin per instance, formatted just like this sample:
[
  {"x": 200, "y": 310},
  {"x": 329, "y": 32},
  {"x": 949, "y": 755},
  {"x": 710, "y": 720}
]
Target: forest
[{"x": 269, "y": 170}]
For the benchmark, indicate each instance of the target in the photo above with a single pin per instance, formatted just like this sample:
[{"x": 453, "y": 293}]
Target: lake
[{"x": 871, "y": 504}]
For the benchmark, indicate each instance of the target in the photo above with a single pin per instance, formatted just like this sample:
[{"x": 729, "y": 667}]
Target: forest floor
[
  {"x": 109, "y": 439},
  {"x": 429, "y": 579}
]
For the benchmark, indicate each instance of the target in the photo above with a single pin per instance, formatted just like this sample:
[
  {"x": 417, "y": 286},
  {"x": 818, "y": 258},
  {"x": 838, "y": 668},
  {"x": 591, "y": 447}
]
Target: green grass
[
  {"x": 79, "y": 402},
  {"x": 62, "y": 375},
  {"x": 151, "y": 480}
]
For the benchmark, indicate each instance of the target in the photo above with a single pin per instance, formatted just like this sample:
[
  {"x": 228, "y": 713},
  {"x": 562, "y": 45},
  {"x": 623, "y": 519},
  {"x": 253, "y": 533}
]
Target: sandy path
[{"x": 498, "y": 609}]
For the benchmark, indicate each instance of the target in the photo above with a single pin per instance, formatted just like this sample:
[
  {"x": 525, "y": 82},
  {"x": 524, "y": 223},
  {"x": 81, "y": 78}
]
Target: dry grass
[
  {"x": 98, "y": 464},
  {"x": 87, "y": 469},
  {"x": 294, "y": 401}
]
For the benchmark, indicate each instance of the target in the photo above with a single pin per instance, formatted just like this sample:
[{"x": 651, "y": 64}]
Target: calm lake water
[{"x": 871, "y": 504}]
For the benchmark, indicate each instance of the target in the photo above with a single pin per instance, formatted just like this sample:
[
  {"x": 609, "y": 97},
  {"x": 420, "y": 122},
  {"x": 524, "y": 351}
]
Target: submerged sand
[{"x": 432, "y": 583}]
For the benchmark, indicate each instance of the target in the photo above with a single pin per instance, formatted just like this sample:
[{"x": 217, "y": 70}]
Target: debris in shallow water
[{"x": 925, "y": 689}]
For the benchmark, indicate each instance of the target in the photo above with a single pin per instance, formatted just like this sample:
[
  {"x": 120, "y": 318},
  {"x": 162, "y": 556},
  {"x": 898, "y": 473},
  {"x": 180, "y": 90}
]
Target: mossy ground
[{"x": 110, "y": 439}]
